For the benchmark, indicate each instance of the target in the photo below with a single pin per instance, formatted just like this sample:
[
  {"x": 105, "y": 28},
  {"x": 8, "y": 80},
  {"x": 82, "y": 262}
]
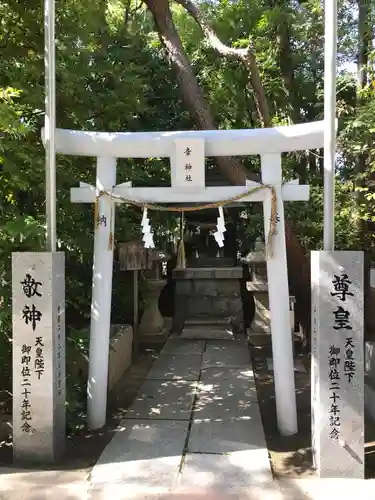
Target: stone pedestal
[
  {"x": 260, "y": 330},
  {"x": 261, "y": 324},
  {"x": 38, "y": 283},
  {"x": 337, "y": 371},
  {"x": 152, "y": 323},
  {"x": 208, "y": 302}
]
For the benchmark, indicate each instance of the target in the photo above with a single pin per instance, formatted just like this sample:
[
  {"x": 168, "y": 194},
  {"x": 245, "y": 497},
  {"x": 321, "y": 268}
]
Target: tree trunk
[
  {"x": 190, "y": 90},
  {"x": 286, "y": 62}
]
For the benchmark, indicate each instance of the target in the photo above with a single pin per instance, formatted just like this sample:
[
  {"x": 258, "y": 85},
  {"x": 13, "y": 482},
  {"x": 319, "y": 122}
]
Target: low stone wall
[
  {"x": 120, "y": 356},
  {"x": 120, "y": 353}
]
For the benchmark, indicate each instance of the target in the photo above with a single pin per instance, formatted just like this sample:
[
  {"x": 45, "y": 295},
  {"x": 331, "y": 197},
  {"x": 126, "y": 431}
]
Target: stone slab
[
  {"x": 239, "y": 344},
  {"x": 180, "y": 346},
  {"x": 228, "y": 398},
  {"x": 31, "y": 484},
  {"x": 208, "y": 273},
  {"x": 142, "y": 454},
  {"x": 298, "y": 365},
  {"x": 337, "y": 280},
  {"x": 217, "y": 375},
  {"x": 228, "y": 394},
  {"x": 175, "y": 367},
  {"x": 238, "y": 470},
  {"x": 164, "y": 399},
  {"x": 38, "y": 284},
  {"x": 226, "y": 354},
  {"x": 228, "y": 435},
  {"x": 207, "y": 333}
]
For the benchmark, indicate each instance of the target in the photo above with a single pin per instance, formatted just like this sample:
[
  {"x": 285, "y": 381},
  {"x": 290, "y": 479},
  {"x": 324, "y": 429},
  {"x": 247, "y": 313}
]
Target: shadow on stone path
[{"x": 194, "y": 426}]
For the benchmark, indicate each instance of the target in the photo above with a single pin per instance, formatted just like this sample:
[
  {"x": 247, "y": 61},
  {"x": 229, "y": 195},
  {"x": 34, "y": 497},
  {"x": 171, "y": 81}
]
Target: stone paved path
[
  {"x": 194, "y": 428},
  {"x": 193, "y": 433}
]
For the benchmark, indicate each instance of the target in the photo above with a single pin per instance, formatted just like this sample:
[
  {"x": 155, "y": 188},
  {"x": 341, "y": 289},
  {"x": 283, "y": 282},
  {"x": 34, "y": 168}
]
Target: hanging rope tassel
[
  {"x": 273, "y": 222},
  {"x": 96, "y": 210},
  {"x": 181, "y": 256},
  {"x": 217, "y": 204},
  {"x": 111, "y": 228}
]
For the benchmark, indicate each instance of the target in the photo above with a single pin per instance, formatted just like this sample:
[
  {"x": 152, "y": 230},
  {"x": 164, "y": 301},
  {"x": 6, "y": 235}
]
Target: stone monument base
[{"x": 38, "y": 283}]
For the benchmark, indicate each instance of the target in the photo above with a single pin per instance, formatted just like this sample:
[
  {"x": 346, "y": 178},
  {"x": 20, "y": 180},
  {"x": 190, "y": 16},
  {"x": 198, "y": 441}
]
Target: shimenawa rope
[{"x": 216, "y": 204}]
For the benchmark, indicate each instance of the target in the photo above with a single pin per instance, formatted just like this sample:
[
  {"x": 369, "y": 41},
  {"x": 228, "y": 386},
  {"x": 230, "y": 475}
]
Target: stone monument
[
  {"x": 337, "y": 358},
  {"x": 38, "y": 281}
]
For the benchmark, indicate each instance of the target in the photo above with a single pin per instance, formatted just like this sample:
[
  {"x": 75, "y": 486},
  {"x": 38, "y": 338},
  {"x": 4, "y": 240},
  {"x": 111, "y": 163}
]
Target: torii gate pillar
[
  {"x": 101, "y": 296},
  {"x": 278, "y": 291}
]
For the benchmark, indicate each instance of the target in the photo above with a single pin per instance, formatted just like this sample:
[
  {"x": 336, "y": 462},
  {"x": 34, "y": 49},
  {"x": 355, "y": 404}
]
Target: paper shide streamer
[
  {"x": 148, "y": 237},
  {"x": 219, "y": 234}
]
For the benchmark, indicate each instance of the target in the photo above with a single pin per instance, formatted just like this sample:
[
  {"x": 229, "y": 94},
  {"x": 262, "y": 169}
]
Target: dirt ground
[{"x": 291, "y": 456}]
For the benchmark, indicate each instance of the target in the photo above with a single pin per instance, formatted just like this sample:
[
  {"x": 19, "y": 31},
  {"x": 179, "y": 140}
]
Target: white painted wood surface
[
  {"x": 217, "y": 142},
  {"x": 278, "y": 291},
  {"x": 290, "y": 192},
  {"x": 330, "y": 75},
  {"x": 188, "y": 164},
  {"x": 101, "y": 298}
]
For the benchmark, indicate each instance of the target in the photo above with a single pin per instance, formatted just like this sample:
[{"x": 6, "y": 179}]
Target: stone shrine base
[{"x": 208, "y": 302}]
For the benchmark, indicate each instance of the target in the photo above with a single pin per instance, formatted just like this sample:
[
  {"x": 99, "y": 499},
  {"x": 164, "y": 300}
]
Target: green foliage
[{"x": 112, "y": 75}]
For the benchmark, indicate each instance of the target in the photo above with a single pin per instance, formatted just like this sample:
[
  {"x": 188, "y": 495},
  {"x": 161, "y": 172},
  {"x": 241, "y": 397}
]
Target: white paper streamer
[
  {"x": 219, "y": 234},
  {"x": 148, "y": 237},
  {"x": 219, "y": 237}
]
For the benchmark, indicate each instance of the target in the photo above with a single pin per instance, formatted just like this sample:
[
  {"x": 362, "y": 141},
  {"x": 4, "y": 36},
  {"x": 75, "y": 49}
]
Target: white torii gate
[{"x": 188, "y": 185}]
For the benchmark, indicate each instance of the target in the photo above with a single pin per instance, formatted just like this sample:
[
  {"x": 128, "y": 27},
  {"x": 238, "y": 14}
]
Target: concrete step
[
  {"x": 207, "y": 332},
  {"x": 208, "y": 322},
  {"x": 211, "y": 262}
]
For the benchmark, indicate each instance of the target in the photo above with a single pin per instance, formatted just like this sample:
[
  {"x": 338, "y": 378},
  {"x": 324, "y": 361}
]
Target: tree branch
[
  {"x": 209, "y": 33},
  {"x": 192, "y": 94},
  {"x": 247, "y": 56}
]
